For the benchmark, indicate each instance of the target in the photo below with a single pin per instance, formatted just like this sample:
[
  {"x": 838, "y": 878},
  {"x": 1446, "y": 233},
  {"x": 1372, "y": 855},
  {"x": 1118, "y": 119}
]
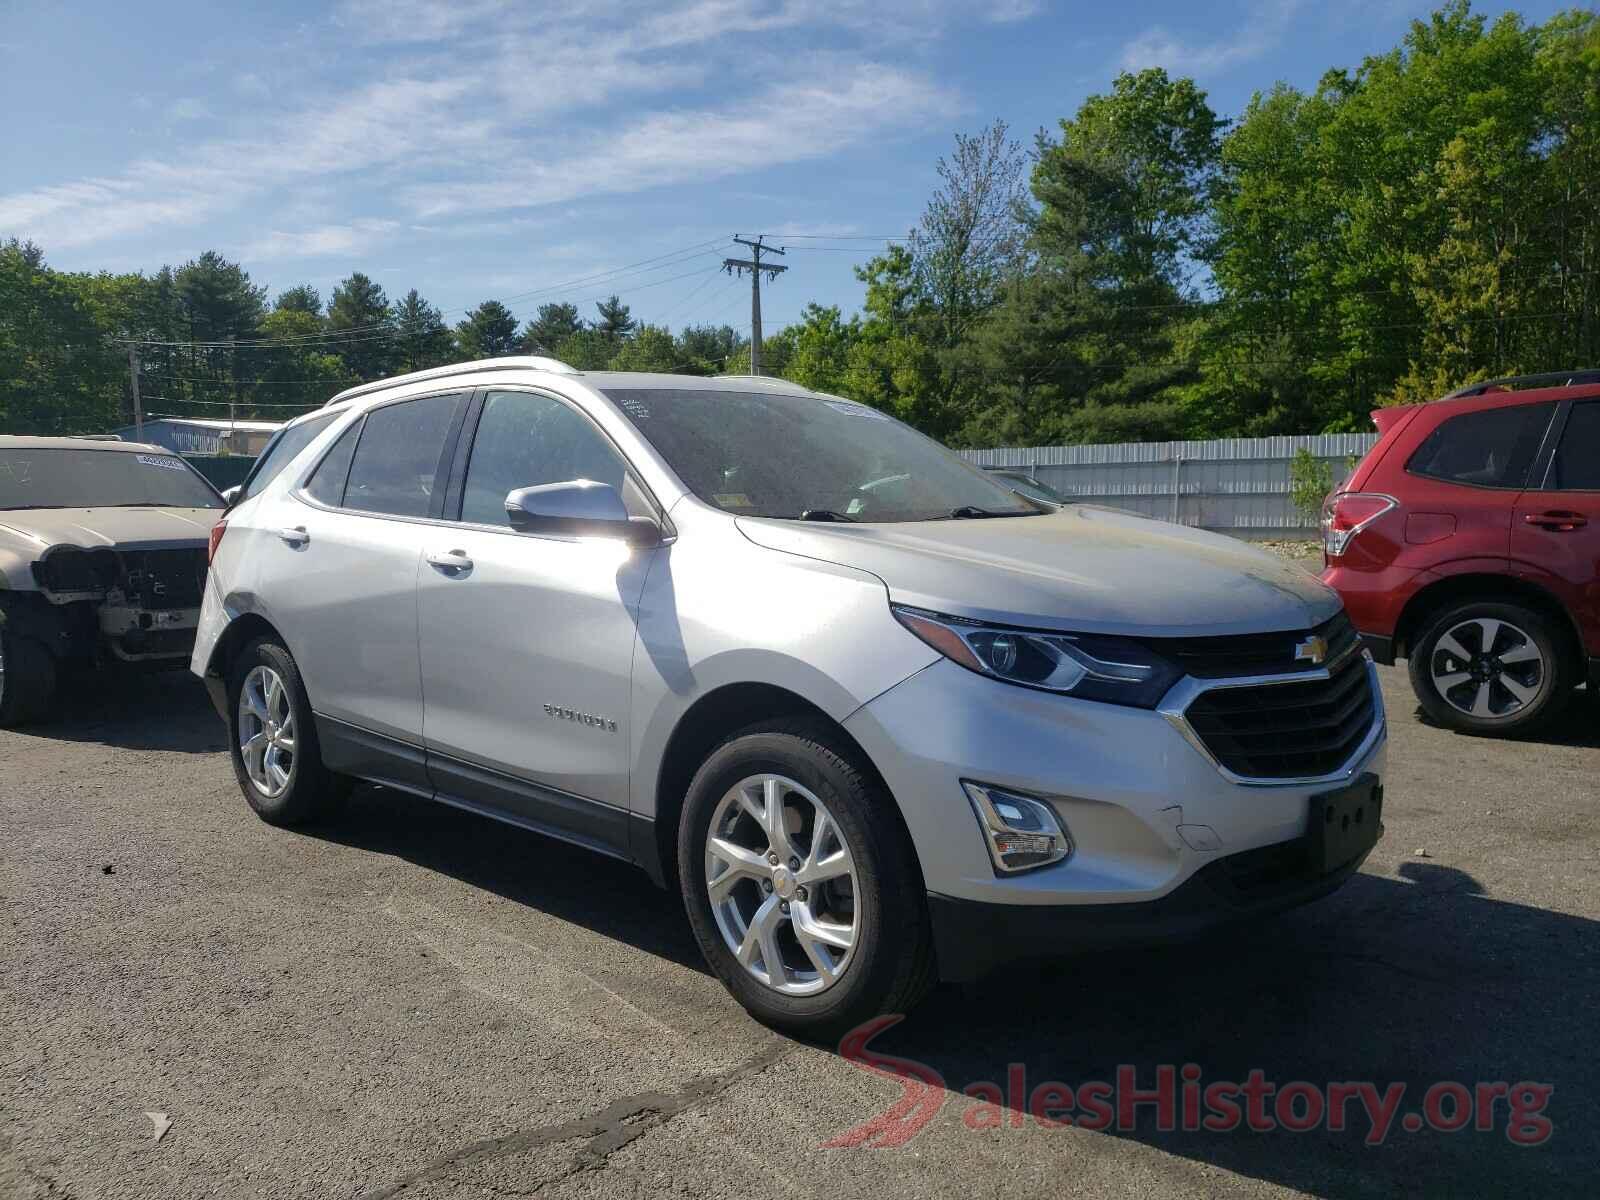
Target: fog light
[{"x": 1022, "y": 833}]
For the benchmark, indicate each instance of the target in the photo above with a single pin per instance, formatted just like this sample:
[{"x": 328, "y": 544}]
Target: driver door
[{"x": 527, "y": 639}]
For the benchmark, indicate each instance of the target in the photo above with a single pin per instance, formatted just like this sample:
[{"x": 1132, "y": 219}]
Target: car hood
[
  {"x": 1085, "y": 568},
  {"x": 38, "y": 529}
]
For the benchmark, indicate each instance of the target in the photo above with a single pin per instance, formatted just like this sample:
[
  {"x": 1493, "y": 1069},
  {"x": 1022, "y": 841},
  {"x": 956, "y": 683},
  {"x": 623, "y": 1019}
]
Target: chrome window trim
[{"x": 1175, "y": 704}]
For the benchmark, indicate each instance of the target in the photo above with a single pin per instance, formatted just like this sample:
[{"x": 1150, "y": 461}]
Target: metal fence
[{"x": 1237, "y": 485}]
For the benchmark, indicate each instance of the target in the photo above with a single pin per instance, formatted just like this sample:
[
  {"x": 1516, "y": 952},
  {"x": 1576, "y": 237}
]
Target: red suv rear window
[{"x": 1493, "y": 447}]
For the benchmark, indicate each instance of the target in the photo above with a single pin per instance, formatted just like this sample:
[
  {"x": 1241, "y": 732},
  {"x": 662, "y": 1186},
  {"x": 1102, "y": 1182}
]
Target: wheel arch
[
  {"x": 1483, "y": 585},
  {"x": 241, "y": 631},
  {"x": 705, "y": 724}
]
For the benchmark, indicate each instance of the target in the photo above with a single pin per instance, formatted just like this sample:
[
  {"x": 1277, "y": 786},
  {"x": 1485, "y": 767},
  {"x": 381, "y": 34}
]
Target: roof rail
[
  {"x": 525, "y": 362},
  {"x": 1543, "y": 379}
]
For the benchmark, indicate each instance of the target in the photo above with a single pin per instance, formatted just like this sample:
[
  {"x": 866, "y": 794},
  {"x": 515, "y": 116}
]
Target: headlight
[{"x": 1115, "y": 670}]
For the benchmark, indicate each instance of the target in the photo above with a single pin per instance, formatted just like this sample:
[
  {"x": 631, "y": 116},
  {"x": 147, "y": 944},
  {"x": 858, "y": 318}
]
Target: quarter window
[
  {"x": 1577, "y": 463},
  {"x": 326, "y": 485},
  {"x": 1491, "y": 448},
  {"x": 281, "y": 451},
  {"x": 396, "y": 462},
  {"x": 525, "y": 439}
]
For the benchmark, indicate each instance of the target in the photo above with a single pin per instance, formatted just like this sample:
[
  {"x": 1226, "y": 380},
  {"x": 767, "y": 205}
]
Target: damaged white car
[{"x": 102, "y": 560}]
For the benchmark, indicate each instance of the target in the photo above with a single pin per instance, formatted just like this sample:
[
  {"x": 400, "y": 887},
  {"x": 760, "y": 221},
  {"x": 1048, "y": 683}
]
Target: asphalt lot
[{"x": 414, "y": 1001}]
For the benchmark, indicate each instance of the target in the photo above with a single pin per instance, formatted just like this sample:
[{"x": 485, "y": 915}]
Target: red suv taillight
[
  {"x": 1345, "y": 514},
  {"x": 217, "y": 530}
]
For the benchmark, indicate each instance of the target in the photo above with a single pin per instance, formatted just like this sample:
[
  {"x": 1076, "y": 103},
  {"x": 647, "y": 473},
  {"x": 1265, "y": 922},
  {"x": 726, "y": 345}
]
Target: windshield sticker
[
  {"x": 733, "y": 500},
  {"x": 16, "y": 470},
  {"x": 166, "y": 464},
  {"x": 855, "y": 410}
]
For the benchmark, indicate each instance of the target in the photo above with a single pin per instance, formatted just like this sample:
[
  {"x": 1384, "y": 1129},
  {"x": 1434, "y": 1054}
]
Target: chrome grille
[{"x": 1300, "y": 729}]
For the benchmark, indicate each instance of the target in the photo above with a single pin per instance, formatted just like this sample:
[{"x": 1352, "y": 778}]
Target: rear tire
[
  {"x": 27, "y": 680},
  {"x": 1493, "y": 668},
  {"x": 831, "y": 806},
  {"x": 277, "y": 758}
]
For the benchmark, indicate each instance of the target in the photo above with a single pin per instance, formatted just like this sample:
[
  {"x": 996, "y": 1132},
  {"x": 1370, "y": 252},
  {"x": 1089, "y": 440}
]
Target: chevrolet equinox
[{"x": 878, "y": 718}]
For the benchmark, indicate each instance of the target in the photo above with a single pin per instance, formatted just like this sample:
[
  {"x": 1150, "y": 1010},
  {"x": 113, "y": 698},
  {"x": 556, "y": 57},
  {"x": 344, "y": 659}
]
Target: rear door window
[
  {"x": 1576, "y": 467},
  {"x": 396, "y": 466},
  {"x": 1493, "y": 448}
]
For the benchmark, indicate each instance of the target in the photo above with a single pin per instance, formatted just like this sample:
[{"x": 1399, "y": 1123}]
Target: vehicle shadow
[
  {"x": 613, "y": 898},
  {"x": 135, "y": 709},
  {"x": 1578, "y": 725},
  {"x": 1417, "y": 980}
]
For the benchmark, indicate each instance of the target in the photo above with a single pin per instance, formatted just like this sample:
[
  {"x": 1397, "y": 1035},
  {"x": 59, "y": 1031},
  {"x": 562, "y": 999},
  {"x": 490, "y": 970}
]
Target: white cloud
[
  {"x": 482, "y": 107},
  {"x": 189, "y": 108},
  {"x": 1265, "y": 26},
  {"x": 322, "y": 240}
]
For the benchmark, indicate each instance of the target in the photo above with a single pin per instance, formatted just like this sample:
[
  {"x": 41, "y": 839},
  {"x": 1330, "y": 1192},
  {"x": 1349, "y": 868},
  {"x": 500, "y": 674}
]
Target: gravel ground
[{"x": 413, "y": 1001}]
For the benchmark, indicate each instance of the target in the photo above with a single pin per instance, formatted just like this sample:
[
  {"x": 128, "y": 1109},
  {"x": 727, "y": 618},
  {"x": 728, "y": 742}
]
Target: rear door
[
  {"x": 346, "y": 594},
  {"x": 1555, "y": 531},
  {"x": 527, "y": 640}
]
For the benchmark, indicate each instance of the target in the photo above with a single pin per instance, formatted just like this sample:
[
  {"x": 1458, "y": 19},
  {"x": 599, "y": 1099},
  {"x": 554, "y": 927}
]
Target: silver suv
[{"x": 877, "y": 717}]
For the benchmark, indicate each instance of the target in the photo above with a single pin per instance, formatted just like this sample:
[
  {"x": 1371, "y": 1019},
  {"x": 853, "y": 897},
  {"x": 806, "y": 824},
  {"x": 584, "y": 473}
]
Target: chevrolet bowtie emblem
[{"x": 1313, "y": 650}]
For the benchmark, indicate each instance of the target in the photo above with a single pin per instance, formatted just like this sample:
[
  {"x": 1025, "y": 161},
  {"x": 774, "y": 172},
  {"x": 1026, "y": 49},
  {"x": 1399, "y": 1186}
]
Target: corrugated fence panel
[{"x": 1240, "y": 485}]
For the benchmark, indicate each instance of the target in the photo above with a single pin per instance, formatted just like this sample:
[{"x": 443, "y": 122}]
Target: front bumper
[
  {"x": 1148, "y": 811},
  {"x": 972, "y": 938}
]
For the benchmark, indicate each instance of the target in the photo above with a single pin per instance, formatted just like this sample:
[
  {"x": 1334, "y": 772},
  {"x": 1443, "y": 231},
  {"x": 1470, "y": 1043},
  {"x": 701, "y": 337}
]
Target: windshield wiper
[
  {"x": 27, "y": 507},
  {"x": 824, "y": 514},
  {"x": 973, "y": 512}
]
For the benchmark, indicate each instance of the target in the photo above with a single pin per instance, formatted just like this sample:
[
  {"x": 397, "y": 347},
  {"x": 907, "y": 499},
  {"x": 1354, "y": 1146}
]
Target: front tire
[
  {"x": 1492, "y": 668},
  {"x": 273, "y": 739},
  {"x": 801, "y": 884},
  {"x": 27, "y": 680}
]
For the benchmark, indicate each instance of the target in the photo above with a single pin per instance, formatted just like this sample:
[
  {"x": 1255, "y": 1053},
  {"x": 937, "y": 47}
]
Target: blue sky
[{"x": 489, "y": 148}]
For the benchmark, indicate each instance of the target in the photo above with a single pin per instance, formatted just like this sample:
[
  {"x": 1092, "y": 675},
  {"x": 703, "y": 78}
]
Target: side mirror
[
  {"x": 230, "y": 497},
  {"x": 578, "y": 508}
]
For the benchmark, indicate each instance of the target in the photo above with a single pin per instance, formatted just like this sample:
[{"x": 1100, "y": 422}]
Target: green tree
[
  {"x": 555, "y": 324},
  {"x": 363, "y": 324},
  {"x": 615, "y": 321},
  {"x": 422, "y": 338},
  {"x": 58, "y": 374},
  {"x": 707, "y": 349},
  {"x": 651, "y": 348},
  {"x": 301, "y": 298},
  {"x": 489, "y": 331}
]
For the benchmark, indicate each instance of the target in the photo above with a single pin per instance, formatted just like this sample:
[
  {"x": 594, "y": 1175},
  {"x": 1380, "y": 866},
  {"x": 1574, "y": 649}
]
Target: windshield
[
  {"x": 756, "y": 454},
  {"x": 50, "y": 478}
]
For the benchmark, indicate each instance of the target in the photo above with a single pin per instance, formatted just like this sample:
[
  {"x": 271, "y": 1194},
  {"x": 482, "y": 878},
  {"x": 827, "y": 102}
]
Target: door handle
[
  {"x": 295, "y": 535},
  {"x": 1557, "y": 522},
  {"x": 454, "y": 563}
]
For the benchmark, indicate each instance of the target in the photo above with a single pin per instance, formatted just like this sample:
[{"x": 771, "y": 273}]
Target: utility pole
[
  {"x": 753, "y": 264},
  {"x": 133, "y": 377}
]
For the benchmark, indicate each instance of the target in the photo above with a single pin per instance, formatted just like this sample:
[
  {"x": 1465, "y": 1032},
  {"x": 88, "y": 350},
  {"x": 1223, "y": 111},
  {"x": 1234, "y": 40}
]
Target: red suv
[{"x": 1468, "y": 541}]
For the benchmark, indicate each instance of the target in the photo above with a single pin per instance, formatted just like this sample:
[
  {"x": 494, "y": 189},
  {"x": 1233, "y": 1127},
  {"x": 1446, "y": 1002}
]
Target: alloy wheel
[
  {"x": 1487, "y": 668},
  {"x": 782, "y": 882},
  {"x": 266, "y": 731}
]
